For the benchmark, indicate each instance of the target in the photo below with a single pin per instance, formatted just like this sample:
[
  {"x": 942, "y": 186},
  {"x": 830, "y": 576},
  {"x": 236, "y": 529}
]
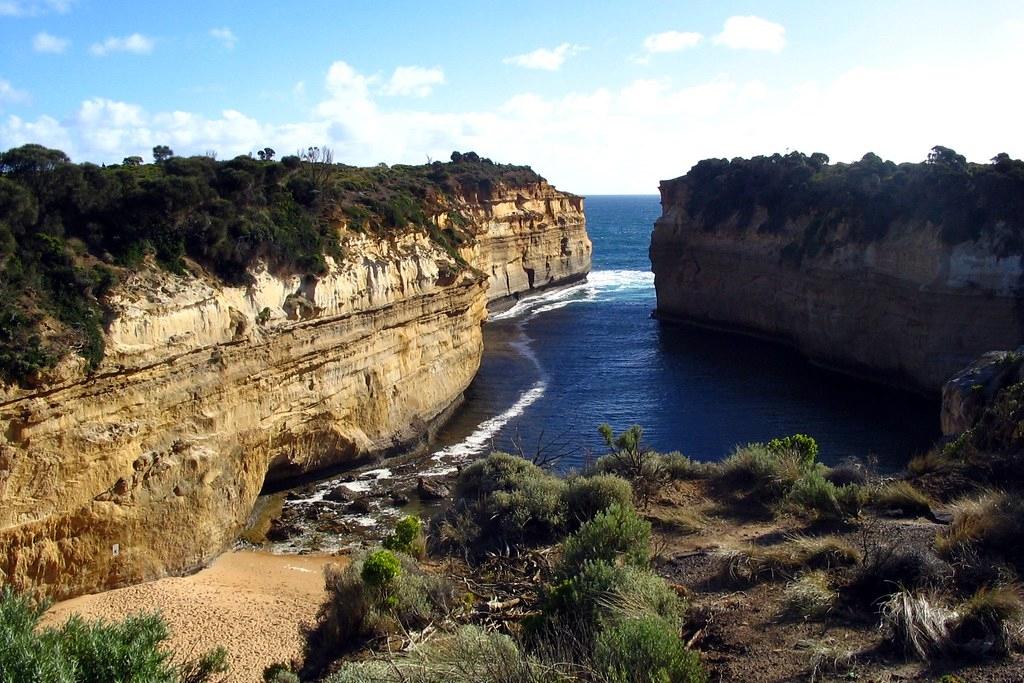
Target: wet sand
[{"x": 252, "y": 603}]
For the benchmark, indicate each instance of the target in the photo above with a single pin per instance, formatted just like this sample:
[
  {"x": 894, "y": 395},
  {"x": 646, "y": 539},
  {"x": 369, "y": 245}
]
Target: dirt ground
[{"x": 744, "y": 633}]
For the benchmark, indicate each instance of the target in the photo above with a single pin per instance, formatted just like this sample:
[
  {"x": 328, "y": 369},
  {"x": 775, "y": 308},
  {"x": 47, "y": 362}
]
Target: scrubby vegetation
[
  {"x": 626, "y": 571},
  {"x": 964, "y": 200},
  {"x": 69, "y": 232},
  {"x": 376, "y": 596},
  {"x": 132, "y": 650},
  {"x": 599, "y": 596}
]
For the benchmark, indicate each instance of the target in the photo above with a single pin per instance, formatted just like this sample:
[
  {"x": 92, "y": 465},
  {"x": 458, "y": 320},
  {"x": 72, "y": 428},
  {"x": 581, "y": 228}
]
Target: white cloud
[
  {"x": 51, "y": 44},
  {"x": 414, "y": 81},
  {"x": 136, "y": 43},
  {"x": 546, "y": 59},
  {"x": 33, "y": 8},
  {"x": 599, "y": 140},
  {"x": 11, "y": 95},
  {"x": 752, "y": 33},
  {"x": 226, "y": 37},
  {"x": 671, "y": 41}
]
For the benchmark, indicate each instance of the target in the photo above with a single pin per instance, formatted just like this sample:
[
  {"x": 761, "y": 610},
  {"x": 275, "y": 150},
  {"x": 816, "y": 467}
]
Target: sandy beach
[{"x": 252, "y": 603}]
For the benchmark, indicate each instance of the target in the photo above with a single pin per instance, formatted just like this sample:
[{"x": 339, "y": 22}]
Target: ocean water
[{"x": 559, "y": 364}]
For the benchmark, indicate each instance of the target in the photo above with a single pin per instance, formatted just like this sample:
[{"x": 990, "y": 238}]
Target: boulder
[
  {"x": 360, "y": 505},
  {"x": 966, "y": 394},
  {"x": 431, "y": 490},
  {"x": 340, "y": 494}
]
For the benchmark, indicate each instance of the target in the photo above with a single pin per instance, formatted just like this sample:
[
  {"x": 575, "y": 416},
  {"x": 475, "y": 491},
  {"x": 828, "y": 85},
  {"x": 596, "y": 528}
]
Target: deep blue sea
[{"x": 559, "y": 364}]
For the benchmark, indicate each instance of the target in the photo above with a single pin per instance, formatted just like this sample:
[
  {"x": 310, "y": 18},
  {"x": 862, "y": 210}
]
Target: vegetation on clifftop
[
  {"x": 965, "y": 200},
  {"x": 68, "y": 231}
]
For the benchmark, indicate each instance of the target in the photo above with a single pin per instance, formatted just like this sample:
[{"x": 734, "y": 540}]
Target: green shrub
[
  {"x": 766, "y": 474},
  {"x": 587, "y": 496},
  {"x": 502, "y": 501},
  {"x": 813, "y": 493},
  {"x": 376, "y": 595},
  {"x": 615, "y": 535},
  {"x": 131, "y": 650},
  {"x": 601, "y": 593},
  {"x": 280, "y": 673},
  {"x": 645, "y": 650},
  {"x": 678, "y": 466},
  {"x": 803, "y": 446},
  {"x": 407, "y": 537},
  {"x": 380, "y": 569}
]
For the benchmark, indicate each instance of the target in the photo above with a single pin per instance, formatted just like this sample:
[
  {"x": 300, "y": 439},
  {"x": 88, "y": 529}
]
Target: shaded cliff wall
[
  {"x": 150, "y": 465},
  {"x": 906, "y": 308}
]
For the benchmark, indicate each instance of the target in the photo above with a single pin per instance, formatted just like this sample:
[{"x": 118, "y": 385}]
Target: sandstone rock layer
[
  {"x": 906, "y": 309},
  {"x": 150, "y": 465}
]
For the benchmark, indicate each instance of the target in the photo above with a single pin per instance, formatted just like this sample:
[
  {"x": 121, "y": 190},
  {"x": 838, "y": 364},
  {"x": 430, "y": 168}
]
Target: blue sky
[{"x": 598, "y": 96}]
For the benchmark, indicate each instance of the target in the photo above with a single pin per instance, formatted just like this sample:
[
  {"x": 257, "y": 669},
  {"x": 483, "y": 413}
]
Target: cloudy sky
[{"x": 598, "y": 96}]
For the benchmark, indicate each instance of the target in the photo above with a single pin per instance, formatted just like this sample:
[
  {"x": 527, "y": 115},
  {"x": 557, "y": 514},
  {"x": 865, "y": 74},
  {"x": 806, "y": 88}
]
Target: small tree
[
  {"x": 162, "y": 153},
  {"x": 132, "y": 161},
  {"x": 266, "y": 154}
]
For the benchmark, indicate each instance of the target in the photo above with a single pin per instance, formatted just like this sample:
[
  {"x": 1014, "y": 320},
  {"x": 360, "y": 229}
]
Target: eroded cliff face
[
  {"x": 528, "y": 238},
  {"x": 150, "y": 465},
  {"x": 906, "y": 308}
]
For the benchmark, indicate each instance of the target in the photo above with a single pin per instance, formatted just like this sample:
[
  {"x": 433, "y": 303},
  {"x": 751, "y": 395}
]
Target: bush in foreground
[
  {"x": 585, "y": 497},
  {"x": 645, "y": 650},
  {"x": 130, "y": 651},
  {"x": 617, "y": 535},
  {"x": 407, "y": 537},
  {"x": 600, "y": 594},
  {"x": 501, "y": 502},
  {"x": 374, "y": 596}
]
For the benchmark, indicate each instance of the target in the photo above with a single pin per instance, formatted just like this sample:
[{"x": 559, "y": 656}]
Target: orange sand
[{"x": 251, "y": 603}]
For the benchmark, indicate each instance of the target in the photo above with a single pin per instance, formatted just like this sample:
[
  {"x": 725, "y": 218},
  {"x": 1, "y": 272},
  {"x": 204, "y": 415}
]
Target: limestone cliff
[
  {"x": 528, "y": 238},
  {"x": 150, "y": 464},
  {"x": 906, "y": 304}
]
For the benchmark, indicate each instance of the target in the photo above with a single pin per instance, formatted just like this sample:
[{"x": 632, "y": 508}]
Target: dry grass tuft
[
  {"x": 902, "y": 495},
  {"x": 920, "y": 627},
  {"x": 784, "y": 560},
  {"x": 828, "y": 658},
  {"x": 677, "y": 519},
  {"x": 810, "y": 595},
  {"x": 988, "y": 524},
  {"x": 989, "y": 622}
]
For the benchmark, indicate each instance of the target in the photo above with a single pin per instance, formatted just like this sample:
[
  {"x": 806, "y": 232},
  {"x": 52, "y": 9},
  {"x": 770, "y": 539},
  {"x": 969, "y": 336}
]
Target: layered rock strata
[
  {"x": 907, "y": 309},
  {"x": 150, "y": 465},
  {"x": 528, "y": 238}
]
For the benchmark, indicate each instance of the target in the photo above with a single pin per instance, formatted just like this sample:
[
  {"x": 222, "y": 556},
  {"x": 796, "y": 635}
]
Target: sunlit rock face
[
  {"x": 151, "y": 465},
  {"x": 907, "y": 308}
]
